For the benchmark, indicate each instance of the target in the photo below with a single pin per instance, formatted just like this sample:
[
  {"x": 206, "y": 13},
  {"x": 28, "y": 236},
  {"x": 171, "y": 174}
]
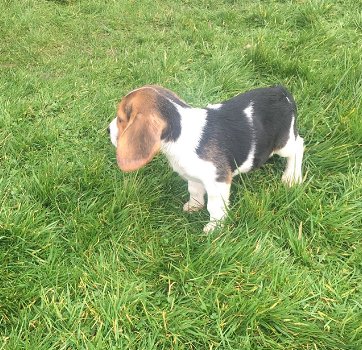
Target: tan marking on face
[{"x": 140, "y": 126}]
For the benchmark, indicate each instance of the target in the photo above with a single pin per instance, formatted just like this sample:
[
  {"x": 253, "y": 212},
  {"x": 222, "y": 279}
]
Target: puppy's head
[{"x": 136, "y": 131}]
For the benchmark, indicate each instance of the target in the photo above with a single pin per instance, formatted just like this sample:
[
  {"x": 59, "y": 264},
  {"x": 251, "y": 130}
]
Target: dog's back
[{"x": 256, "y": 122}]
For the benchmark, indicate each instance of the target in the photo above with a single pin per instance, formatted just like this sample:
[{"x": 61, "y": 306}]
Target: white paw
[
  {"x": 208, "y": 228},
  {"x": 191, "y": 206},
  {"x": 291, "y": 179}
]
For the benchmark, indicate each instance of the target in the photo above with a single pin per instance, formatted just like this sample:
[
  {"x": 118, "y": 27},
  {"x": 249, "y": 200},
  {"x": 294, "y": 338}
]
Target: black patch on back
[
  {"x": 226, "y": 139},
  {"x": 228, "y": 134},
  {"x": 273, "y": 114}
]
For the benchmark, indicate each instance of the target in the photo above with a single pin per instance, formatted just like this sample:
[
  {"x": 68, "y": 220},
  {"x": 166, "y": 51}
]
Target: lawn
[{"x": 91, "y": 258}]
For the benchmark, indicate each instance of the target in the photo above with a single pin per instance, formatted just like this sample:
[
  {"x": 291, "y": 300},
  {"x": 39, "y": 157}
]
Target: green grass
[{"x": 95, "y": 259}]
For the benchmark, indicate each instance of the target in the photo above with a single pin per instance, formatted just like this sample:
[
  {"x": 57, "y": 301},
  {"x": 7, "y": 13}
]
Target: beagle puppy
[{"x": 208, "y": 146}]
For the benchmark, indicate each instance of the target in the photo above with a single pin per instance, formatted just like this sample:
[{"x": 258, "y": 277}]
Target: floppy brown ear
[{"x": 140, "y": 141}]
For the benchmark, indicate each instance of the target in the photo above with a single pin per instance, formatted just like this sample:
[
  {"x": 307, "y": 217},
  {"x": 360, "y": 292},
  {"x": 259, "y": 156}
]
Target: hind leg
[{"x": 293, "y": 151}]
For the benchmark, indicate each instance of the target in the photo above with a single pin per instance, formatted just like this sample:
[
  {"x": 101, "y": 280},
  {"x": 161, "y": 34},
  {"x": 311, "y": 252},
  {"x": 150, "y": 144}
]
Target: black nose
[{"x": 108, "y": 130}]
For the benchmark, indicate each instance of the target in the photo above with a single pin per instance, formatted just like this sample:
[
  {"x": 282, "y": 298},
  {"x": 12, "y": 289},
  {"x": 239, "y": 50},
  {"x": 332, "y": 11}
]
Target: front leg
[
  {"x": 197, "y": 194},
  {"x": 217, "y": 203}
]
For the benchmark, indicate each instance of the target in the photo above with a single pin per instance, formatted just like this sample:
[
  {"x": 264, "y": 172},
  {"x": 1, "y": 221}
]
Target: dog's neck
[
  {"x": 182, "y": 151},
  {"x": 192, "y": 123}
]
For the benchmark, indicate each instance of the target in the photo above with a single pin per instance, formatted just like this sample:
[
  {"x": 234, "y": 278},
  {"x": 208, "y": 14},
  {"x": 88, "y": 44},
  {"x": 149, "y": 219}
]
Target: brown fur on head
[{"x": 140, "y": 126}]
